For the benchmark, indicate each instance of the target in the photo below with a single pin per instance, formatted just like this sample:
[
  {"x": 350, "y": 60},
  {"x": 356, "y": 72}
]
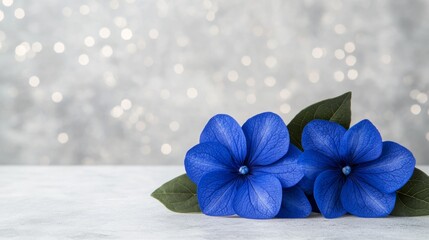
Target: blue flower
[
  {"x": 242, "y": 170},
  {"x": 353, "y": 171}
]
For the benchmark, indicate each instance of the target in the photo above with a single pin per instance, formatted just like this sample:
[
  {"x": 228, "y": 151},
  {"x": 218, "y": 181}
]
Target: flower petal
[
  {"x": 327, "y": 192},
  {"x": 207, "y": 157},
  {"x": 216, "y": 192},
  {"x": 294, "y": 204},
  {"x": 324, "y": 137},
  {"x": 314, "y": 163},
  {"x": 287, "y": 169},
  {"x": 306, "y": 185},
  {"x": 259, "y": 196},
  {"x": 313, "y": 203},
  {"x": 267, "y": 138},
  {"x": 391, "y": 170},
  {"x": 225, "y": 130},
  {"x": 361, "y": 143},
  {"x": 363, "y": 200}
]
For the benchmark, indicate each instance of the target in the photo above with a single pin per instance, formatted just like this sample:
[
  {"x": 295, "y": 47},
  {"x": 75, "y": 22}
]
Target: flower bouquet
[{"x": 317, "y": 163}]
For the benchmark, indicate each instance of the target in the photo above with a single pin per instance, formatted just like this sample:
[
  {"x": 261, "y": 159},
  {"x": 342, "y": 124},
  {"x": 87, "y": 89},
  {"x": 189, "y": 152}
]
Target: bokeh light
[{"x": 134, "y": 82}]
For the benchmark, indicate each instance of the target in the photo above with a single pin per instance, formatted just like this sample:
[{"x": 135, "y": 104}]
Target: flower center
[
  {"x": 243, "y": 170},
  {"x": 346, "y": 170}
]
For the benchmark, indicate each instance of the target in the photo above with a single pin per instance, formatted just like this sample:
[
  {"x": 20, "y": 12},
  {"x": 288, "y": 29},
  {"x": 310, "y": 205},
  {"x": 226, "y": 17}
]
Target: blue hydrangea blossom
[
  {"x": 353, "y": 171},
  {"x": 249, "y": 171}
]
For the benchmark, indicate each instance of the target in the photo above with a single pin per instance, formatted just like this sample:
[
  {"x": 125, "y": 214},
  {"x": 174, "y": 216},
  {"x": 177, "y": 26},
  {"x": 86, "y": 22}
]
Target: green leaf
[
  {"x": 178, "y": 195},
  {"x": 413, "y": 198},
  {"x": 334, "y": 109}
]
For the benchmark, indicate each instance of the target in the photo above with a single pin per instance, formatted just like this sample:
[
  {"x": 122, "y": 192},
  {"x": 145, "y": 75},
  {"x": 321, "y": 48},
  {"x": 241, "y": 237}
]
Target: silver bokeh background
[{"x": 134, "y": 82}]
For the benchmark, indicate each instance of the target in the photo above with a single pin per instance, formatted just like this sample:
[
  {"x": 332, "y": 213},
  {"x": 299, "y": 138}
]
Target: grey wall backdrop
[{"x": 134, "y": 82}]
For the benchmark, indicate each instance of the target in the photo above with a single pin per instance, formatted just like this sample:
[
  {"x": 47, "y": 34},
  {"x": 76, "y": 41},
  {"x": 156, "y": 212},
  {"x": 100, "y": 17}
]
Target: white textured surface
[{"x": 114, "y": 203}]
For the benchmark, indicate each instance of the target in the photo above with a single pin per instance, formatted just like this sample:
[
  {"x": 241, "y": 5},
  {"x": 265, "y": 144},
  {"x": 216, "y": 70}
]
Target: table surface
[{"x": 113, "y": 202}]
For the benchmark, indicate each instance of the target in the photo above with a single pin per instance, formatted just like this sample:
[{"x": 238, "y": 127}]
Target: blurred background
[{"x": 134, "y": 82}]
